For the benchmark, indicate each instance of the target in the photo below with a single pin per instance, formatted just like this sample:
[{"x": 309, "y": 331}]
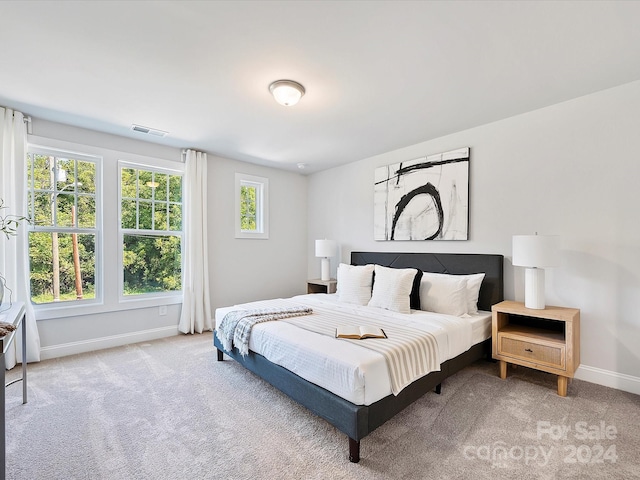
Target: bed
[{"x": 358, "y": 418}]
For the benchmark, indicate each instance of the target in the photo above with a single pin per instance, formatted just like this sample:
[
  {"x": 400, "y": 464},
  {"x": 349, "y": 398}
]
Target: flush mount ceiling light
[{"x": 286, "y": 92}]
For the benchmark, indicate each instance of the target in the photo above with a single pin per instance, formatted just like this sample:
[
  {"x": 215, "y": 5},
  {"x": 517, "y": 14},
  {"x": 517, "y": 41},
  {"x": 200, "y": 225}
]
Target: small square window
[{"x": 252, "y": 206}]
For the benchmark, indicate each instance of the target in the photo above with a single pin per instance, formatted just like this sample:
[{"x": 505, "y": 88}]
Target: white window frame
[
  {"x": 33, "y": 148},
  {"x": 261, "y": 184},
  {"x": 107, "y": 221},
  {"x": 174, "y": 294}
]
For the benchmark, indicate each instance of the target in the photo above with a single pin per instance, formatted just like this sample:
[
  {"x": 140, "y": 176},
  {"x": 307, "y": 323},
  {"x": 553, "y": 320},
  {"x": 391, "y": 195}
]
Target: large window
[
  {"x": 64, "y": 230},
  {"x": 151, "y": 229},
  {"x": 252, "y": 206}
]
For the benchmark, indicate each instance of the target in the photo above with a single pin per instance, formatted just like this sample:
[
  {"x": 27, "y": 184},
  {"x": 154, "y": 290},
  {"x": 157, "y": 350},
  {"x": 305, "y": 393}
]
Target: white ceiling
[{"x": 379, "y": 75}]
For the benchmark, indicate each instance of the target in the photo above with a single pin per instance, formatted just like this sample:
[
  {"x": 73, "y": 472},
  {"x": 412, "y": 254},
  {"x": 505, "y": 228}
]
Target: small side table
[
  {"x": 546, "y": 340},
  {"x": 322, "y": 286},
  {"x": 16, "y": 315}
]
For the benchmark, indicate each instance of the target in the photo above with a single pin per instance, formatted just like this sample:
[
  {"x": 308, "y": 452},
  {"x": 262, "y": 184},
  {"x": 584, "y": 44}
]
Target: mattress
[{"x": 345, "y": 368}]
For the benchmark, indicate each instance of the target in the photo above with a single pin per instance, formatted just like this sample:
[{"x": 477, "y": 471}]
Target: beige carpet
[{"x": 168, "y": 410}]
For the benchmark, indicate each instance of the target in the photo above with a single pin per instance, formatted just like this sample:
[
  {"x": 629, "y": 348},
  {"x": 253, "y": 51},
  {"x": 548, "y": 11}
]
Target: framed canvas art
[{"x": 423, "y": 199}]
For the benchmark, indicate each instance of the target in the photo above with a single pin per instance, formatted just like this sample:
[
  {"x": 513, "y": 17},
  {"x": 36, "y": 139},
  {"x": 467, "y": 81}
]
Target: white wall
[
  {"x": 240, "y": 270},
  {"x": 570, "y": 169}
]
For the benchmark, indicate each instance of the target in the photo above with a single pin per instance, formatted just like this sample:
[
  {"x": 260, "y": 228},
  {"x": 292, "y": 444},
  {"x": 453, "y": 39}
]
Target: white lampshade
[
  {"x": 325, "y": 248},
  {"x": 286, "y": 92},
  {"x": 536, "y": 250}
]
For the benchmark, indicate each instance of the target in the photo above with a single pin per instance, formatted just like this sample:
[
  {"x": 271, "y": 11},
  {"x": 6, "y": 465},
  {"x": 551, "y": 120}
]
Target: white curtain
[
  {"x": 14, "y": 252},
  {"x": 196, "y": 306}
]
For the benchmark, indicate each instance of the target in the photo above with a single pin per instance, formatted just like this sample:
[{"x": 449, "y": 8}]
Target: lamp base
[
  {"x": 325, "y": 269},
  {"x": 534, "y": 288}
]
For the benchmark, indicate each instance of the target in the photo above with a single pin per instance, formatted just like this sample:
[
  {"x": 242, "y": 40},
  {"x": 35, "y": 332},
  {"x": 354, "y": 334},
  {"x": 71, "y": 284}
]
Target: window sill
[
  {"x": 255, "y": 236},
  {"x": 69, "y": 309}
]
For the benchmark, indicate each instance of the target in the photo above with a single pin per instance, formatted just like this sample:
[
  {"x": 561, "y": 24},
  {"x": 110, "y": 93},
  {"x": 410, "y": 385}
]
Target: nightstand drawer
[{"x": 553, "y": 356}]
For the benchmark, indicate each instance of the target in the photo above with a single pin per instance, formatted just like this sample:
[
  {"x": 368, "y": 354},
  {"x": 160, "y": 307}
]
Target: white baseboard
[
  {"x": 64, "y": 349},
  {"x": 607, "y": 378}
]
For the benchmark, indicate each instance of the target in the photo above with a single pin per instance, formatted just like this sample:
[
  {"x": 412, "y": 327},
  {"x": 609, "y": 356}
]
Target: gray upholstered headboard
[{"x": 491, "y": 291}]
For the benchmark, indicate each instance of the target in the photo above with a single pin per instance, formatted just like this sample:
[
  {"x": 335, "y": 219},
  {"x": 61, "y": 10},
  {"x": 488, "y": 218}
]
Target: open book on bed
[{"x": 359, "y": 333}]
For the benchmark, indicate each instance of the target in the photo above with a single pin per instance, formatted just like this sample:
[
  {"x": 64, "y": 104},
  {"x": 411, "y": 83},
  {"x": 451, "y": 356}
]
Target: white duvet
[{"x": 346, "y": 369}]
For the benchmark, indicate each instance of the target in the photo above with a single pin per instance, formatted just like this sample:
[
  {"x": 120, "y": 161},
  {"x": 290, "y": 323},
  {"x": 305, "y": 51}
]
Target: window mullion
[{"x": 167, "y": 203}]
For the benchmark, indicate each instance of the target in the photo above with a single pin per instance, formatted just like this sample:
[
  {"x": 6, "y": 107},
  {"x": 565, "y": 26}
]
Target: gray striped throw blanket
[
  {"x": 409, "y": 353},
  {"x": 235, "y": 328}
]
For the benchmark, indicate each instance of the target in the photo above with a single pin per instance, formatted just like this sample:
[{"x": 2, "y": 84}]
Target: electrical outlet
[{"x": 162, "y": 310}]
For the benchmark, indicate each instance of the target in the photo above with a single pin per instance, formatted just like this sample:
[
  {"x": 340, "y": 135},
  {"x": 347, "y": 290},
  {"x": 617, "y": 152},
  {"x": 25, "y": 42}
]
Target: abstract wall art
[{"x": 423, "y": 199}]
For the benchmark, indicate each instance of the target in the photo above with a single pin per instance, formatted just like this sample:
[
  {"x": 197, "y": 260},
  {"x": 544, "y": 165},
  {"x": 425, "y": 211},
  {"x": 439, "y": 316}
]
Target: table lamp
[
  {"x": 535, "y": 252},
  {"x": 325, "y": 249}
]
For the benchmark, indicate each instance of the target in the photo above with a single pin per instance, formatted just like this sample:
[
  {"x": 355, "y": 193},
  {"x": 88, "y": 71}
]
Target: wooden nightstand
[
  {"x": 547, "y": 340},
  {"x": 322, "y": 286}
]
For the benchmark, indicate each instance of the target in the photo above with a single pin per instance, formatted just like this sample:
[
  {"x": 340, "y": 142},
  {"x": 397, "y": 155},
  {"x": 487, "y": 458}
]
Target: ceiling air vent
[{"x": 148, "y": 131}]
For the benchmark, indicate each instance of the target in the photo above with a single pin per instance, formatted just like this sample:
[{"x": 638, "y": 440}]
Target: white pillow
[
  {"x": 474, "y": 281},
  {"x": 441, "y": 293},
  {"x": 354, "y": 283},
  {"x": 392, "y": 288}
]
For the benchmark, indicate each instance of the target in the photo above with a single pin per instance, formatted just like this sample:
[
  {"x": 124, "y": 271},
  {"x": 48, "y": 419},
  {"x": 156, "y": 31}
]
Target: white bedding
[{"x": 356, "y": 374}]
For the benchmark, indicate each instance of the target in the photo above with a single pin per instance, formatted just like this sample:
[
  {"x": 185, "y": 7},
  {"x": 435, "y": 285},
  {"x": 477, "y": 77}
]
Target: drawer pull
[{"x": 528, "y": 350}]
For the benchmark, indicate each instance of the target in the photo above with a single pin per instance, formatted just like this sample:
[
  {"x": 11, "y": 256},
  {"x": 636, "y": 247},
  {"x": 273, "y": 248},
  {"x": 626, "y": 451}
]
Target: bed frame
[{"x": 357, "y": 421}]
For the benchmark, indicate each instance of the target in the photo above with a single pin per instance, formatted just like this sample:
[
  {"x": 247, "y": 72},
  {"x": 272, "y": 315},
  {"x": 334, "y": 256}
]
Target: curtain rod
[{"x": 27, "y": 120}]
